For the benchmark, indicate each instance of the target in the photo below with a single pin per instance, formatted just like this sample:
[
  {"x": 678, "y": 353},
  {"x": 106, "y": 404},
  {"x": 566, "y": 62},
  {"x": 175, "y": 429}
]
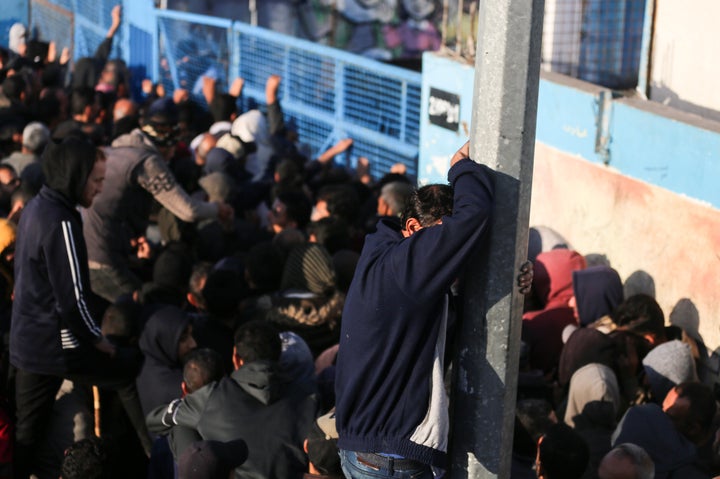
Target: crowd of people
[{"x": 185, "y": 294}]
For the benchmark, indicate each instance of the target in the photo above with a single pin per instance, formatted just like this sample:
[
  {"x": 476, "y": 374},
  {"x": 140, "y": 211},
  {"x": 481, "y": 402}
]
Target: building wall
[
  {"x": 629, "y": 179},
  {"x": 684, "y": 71},
  {"x": 640, "y": 228}
]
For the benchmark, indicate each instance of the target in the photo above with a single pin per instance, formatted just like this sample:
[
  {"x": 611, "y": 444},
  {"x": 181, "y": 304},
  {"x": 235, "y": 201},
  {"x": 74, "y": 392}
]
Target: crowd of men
[{"x": 185, "y": 294}]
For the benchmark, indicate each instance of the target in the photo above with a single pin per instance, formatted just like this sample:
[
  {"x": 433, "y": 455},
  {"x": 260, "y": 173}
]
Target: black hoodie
[{"x": 53, "y": 328}]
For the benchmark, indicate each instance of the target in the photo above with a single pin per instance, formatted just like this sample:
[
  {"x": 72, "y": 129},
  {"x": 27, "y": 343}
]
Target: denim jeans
[{"x": 353, "y": 469}]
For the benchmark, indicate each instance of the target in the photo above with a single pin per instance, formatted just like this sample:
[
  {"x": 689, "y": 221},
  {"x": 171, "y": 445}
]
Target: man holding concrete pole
[{"x": 392, "y": 408}]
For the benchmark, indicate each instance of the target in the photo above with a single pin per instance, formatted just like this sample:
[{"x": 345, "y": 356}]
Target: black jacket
[
  {"x": 52, "y": 329},
  {"x": 256, "y": 404}
]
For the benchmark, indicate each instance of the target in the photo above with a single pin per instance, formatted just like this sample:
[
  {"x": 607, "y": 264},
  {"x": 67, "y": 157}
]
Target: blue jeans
[{"x": 354, "y": 469}]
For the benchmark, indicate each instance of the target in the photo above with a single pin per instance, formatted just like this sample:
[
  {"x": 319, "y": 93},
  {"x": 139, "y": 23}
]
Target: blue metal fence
[
  {"x": 76, "y": 24},
  {"x": 329, "y": 94}
]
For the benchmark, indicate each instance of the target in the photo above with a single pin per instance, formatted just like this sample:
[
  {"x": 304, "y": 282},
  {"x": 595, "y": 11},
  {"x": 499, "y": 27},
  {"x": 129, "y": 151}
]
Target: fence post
[{"x": 502, "y": 136}]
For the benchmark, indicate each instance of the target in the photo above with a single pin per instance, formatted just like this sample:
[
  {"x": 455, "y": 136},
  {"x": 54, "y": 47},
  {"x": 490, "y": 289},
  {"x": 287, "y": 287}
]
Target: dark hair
[
  {"x": 331, "y": 232},
  {"x": 200, "y": 272},
  {"x": 563, "y": 453},
  {"x": 297, "y": 207},
  {"x": 223, "y": 291},
  {"x": 86, "y": 459},
  {"x": 641, "y": 314},
  {"x": 695, "y": 421},
  {"x": 429, "y": 204},
  {"x": 222, "y": 107},
  {"x": 264, "y": 266},
  {"x": 81, "y": 98},
  {"x": 202, "y": 366},
  {"x": 256, "y": 341},
  {"x": 13, "y": 87},
  {"x": 342, "y": 201},
  {"x": 119, "y": 320},
  {"x": 48, "y": 108},
  {"x": 535, "y": 416}
]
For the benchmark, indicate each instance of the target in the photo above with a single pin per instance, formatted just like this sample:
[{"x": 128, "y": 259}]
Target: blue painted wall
[
  {"x": 666, "y": 152},
  {"x": 438, "y": 144},
  {"x": 647, "y": 141},
  {"x": 12, "y": 11}
]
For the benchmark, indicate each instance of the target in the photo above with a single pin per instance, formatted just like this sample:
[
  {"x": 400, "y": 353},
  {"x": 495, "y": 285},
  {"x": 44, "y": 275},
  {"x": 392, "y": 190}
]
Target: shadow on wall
[
  {"x": 662, "y": 94},
  {"x": 639, "y": 282},
  {"x": 686, "y": 316}
]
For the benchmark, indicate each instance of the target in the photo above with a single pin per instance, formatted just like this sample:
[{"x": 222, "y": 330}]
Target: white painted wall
[{"x": 685, "y": 67}]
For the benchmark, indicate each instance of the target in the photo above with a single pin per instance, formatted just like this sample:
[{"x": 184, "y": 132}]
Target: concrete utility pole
[{"x": 502, "y": 136}]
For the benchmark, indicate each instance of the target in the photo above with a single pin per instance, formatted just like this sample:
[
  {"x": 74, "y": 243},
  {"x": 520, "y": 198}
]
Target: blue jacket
[
  {"x": 390, "y": 395},
  {"x": 52, "y": 326}
]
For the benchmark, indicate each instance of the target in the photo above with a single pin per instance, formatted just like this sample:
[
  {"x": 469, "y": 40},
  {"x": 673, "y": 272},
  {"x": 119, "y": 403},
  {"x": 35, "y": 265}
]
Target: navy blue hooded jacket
[
  {"x": 390, "y": 396},
  {"x": 52, "y": 326}
]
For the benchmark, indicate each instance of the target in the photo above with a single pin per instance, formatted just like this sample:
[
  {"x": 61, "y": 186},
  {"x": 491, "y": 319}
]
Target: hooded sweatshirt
[
  {"x": 162, "y": 372},
  {"x": 252, "y": 126},
  {"x": 256, "y": 403},
  {"x": 552, "y": 284},
  {"x": 53, "y": 327},
  {"x": 653, "y": 430},
  {"x": 598, "y": 291}
]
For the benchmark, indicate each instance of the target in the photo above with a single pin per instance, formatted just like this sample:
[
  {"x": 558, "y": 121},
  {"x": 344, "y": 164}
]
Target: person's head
[
  {"x": 207, "y": 143},
  {"x": 666, "y": 366},
  {"x": 291, "y": 209},
  {"x": 536, "y": 416},
  {"x": 124, "y": 107},
  {"x": 86, "y": 459},
  {"x": 196, "y": 284},
  {"x": 341, "y": 201},
  {"x": 321, "y": 447},
  {"x": 167, "y": 336},
  {"x": 626, "y": 461},
  {"x": 160, "y": 125},
  {"x": 202, "y": 366},
  {"x": 394, "y": 197},
  {"x": 223, "y": 291},
  {"x": 119, "y": 321},
  {"x": 331, "y": 232},
  {"x": 562, "y": 454},
  {"x": 35, "y": 137},
  {"x": 14, "y": 88},
  {"x": 692, "y": 407},
  {"x": 597, "y": 291},
  {"x": 256, "y": 341},
  {"x": 643, "y": 315},
  {"x": 426, "y": 207},
  {"x": 84, "y": 104},
  {"x": 211, "y": 459},
  {"x": 75, "y": 168},
  {"x": 223, "y": 107},
  {"x": 17, "y": 39},
  {"x": 309, "y": 267},
  {"x": 264, "y": 268}
]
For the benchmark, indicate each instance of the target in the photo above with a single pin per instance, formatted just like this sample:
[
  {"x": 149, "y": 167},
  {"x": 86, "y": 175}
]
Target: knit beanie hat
[
  {"x": 668, "y": 365},
  {"x": 309, "y": 267}
]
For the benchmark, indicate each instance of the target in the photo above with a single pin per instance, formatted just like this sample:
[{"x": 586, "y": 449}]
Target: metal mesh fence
[
  {"x": 52, "y": 22},
  {"x": 190, "y": 50},
  {"x": 80, "y": 25},
  {"x": 327, "y": 95}
]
